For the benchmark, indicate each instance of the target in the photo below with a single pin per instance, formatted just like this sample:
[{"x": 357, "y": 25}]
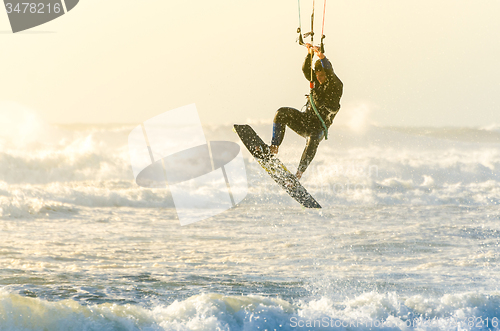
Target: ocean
[{"x": 407, "y": 239}]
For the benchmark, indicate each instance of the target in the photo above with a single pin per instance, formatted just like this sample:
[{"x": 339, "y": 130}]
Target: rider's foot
[{"x": 274, "y": 149}]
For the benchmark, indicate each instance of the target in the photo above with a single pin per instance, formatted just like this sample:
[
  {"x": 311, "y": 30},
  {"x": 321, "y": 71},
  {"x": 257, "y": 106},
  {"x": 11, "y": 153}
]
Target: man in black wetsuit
[{"x": 326, "y": 95}]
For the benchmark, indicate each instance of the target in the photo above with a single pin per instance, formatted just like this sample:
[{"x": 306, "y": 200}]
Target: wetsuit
[{"x": 326, "y": 97}]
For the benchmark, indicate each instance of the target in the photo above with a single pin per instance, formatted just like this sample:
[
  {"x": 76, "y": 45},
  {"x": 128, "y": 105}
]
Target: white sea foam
[
  {"x": 368, "y": 311},
  {"x": 89, "y": 166}
]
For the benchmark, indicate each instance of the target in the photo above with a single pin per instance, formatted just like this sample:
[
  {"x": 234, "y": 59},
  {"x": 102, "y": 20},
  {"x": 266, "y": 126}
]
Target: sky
[{"x": 403, "y": 63}]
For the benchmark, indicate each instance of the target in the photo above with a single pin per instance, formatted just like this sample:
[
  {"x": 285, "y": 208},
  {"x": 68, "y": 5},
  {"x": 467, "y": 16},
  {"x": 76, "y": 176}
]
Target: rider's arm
[{"x": 306, "y": 68}]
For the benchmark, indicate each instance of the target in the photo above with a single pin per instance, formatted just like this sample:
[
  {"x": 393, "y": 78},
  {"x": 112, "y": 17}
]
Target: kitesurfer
[{"x": 325, "y": 95}]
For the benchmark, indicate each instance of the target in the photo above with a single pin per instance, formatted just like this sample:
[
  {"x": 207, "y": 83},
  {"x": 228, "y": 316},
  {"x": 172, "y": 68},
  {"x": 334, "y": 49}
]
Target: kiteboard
[{"x": 274, "y": 167}]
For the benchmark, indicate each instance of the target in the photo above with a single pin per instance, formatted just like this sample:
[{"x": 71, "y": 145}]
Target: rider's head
[{"x": 320, "y": 72}]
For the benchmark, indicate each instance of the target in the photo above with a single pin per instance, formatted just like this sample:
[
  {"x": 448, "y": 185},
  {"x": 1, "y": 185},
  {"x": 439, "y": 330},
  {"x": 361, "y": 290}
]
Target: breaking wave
[{"x": 368, "y": 311}]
